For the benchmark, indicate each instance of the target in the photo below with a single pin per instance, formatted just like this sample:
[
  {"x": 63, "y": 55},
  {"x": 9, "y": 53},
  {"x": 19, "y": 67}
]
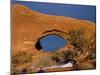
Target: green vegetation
[
  {"x": 21, "y": 58},
  {"x": 77, "y": 38},
  {"x": 44, "y": 61},
  {"x": 63, "y": 56},
  {"x": 80, "y": 41},
  {"x": 84, "y": 46}
]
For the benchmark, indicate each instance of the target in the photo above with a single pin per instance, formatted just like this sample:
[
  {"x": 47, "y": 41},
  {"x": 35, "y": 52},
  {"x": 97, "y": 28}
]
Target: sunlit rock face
[{"x": 28, "y": 26}]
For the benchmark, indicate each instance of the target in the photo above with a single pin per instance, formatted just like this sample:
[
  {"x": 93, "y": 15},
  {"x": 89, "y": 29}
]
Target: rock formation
[{"x": 28, "y": 26}]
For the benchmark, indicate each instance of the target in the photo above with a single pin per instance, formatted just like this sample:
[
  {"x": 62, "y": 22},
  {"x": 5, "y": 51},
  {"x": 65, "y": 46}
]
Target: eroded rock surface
[{"x": 29, "y": 26}]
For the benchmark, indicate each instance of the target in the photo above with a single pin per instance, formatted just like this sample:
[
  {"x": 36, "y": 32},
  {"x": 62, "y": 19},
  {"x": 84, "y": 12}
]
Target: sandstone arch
[
  {"x": 28, "y": 27},
  {"x": 50, "y": 32}
]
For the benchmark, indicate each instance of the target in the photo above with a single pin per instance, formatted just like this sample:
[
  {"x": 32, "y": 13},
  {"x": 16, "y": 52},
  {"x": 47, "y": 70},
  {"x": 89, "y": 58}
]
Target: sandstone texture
[{"x": 28, "y": 26}]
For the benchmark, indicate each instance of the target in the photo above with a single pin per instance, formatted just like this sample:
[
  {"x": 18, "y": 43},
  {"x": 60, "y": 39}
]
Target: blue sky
[
  {"x": 52, "y": 42},
  {"x": 85, "y": 12}
]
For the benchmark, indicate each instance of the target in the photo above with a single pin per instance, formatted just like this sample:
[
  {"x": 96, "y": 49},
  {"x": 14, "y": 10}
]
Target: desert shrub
[
  {"x": 69, "y": 54},
  {"x": 76, "y": 38},
  {"x": 80, "y": 41},
  {"x": 92, "y": 47},
  {"x": 83, "y": 44},
  {"x": 92, "y": 54},
  {"x": 85, "y": 47},
  {"x": 63, "y": 55},
  {"x": 55, "y": 56},
  {"x": 21, "y": 58},
  {"x": 43, "y": 61}
]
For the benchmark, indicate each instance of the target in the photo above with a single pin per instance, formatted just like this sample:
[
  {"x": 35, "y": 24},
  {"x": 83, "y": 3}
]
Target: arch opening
[{"x": 50, "y": 42}]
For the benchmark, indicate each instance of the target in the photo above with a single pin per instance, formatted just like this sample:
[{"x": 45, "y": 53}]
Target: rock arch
[{"x": 50, "y": 32}]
